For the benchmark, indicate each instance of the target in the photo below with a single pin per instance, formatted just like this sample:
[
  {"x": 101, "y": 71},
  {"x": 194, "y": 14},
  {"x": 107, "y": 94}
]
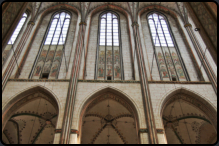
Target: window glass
[
  {"x": 53, "y": 46},
  {"x": 18, "y": 28},
  {"x": 109, "y": 48},
  {"x": 169, "y": 64}
]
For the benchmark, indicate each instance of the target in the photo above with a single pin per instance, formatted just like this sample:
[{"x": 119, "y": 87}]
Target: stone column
[
  {"x": 69, "y": 108},
  {"x": 144, "y": 87},
  {"x": 57, "y": 136},
  {"x": 17, "y": 52},
  {"x": 73, "y": 137},
  {"x": 201, "y": 55}
]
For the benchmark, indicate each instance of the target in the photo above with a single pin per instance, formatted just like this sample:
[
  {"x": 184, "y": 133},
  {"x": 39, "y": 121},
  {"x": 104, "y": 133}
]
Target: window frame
[
  {"x": 44, "y": 40},
  {"x": 98, "y": 44},
  {"x": 18, "y": 35},
  {"x": 174, "y": 45}
]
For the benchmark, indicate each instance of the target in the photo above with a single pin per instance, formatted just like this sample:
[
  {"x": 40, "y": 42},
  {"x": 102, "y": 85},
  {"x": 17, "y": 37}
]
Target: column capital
[
  {"x": 82, "y": 23},
  {"x": 187, "y": 24},
  {"x": 143, "y": 130},
  {"x": 73, "y": 131},
  {"x": 135, "y": 23},
  {"x": 31, "y": 22},
  {"x": 58, "y": 130}
]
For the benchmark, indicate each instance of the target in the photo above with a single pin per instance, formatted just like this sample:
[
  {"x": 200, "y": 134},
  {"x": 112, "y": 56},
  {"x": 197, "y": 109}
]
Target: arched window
[
  {"x": 109, "y": 60},
  {"x": 13, "y": 38},
  {"x": 50, "y": 55},
  {"x": 169, "y": 61}
]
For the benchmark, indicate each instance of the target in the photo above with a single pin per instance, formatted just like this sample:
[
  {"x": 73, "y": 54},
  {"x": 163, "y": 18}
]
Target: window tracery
[
  {"x": 170, "y": 64},
  {"x": 109, "y": 60},
  {"x": 50, "y": 55}
]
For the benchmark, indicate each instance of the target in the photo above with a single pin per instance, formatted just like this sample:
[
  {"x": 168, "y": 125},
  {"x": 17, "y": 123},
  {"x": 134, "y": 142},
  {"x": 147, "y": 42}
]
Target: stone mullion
[
  {"x": 16, "y": 55},
  {"x": 201, "y": 57},
  {"x": 65, "y": 135},
  {"x": 145, "y": 91}
]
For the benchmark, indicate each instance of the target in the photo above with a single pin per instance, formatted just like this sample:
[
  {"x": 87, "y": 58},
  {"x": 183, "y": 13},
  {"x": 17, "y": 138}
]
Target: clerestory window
[
  {"x": 169, "y": 61},
  {"x": 109, "y": 60},
  {"x": 13, "y": 38},
  {"x": 49, "y": 59}
]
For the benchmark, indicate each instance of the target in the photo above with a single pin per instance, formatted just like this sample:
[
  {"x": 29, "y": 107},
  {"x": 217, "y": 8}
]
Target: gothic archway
[
  {"x": 188, "y": 119},
  {"x": 109, "y": 119},
  {"x": 31, "y": 119}
]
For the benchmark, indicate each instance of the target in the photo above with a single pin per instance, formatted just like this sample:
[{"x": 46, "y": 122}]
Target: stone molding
[
  {"x": 159, "y": 131},
  {"x": 58, "y": 130},
  {"x": 178, "y": 82},
  {"x": 73, "y": 131},
  {"x": 143, "y": 130},
  {"x": 187, "y": 24},
  {"x": 135, "y": 23},
  {"x": 82, "y": 23},
  {"x": 107, "y": 81},
  {"x": 31, "y": 22},
  {"x": 39, "y": 80}
]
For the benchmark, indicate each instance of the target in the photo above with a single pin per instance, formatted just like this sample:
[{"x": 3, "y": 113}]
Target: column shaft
[
  {"x": 69, "y": 108},
  {"x": 17, "y": 52},
  {"x": 145, "y": 88}
]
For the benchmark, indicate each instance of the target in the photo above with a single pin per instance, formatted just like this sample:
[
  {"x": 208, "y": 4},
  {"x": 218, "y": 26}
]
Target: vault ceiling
[
  {"x": 108, "y": 122},
  {"x": 187, "y": 124},
  {"x": 34, "y": 122},
  {"x": 92, "y": 5}
]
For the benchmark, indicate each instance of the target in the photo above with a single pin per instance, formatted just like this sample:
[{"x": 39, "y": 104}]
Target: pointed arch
[
  {"x": 192, "y": 97},
  {"x": 97, "y": 9},
  {"x": 25, "y": 96},
  {"x": 158, "y": 8},
  {"x": 112, "y": 93}
]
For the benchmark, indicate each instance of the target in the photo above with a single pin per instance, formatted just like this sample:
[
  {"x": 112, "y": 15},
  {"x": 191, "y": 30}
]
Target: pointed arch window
[
  {"x": 13, "y": 38},
  {"x": 49, "y": 59},
  {"x": 109, "y": 53},
  {"x": 169, "y": 60}
]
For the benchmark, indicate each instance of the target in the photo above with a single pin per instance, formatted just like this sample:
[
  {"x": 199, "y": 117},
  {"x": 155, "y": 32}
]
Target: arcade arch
[
  {"x": 108, "y": 117},
  {"x": 188, "y": 119},
  {"x": 30, "y": 118}
]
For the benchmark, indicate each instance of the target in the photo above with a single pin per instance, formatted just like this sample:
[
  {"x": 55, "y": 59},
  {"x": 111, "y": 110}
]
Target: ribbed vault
[
  {"x": 186, "y": 123},
  {"x": 33, "y": 121},
  {"x": 109, "y": 119}
]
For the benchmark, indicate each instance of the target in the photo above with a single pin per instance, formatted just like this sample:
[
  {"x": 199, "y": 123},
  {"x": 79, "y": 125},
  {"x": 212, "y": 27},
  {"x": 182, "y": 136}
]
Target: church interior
[{"x": 109, "y": 72}]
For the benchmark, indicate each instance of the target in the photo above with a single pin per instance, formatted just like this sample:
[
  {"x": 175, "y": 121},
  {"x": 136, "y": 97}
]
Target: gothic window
[
  {"x": 49, "y": 59},
  {"x": 109, "y": 60},
  {"x": 169, "y": 61},
  {"x": 13, "y": 38}
]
